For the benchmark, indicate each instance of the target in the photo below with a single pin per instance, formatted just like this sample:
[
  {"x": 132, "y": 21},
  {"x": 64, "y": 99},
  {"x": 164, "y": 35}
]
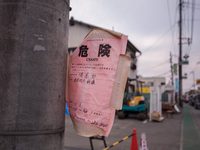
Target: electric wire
[
  {"x": 188, "y": 31},
  {"x": 189, "y": 9},
  {"x": 153, "y": 67},
  {"x": 169, "y": 16},
  {"x": 172, "y": 29},
  {"x": 163, "y": 35},
  {"x": 173, "y": 45},
  {"x": 196, "y": 4},
  {"x": 169, "y": 71},
  {"x": 192, "y": 25},
  {"x": 189, "y": 25}
]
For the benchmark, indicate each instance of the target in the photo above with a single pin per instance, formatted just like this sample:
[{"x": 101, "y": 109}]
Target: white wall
[
  {"x": 156, "y": 82},
  {"x": 76, "y": 34}
]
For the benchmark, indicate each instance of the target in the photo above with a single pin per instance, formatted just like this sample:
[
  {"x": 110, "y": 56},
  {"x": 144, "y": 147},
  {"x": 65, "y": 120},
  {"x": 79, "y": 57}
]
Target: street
[
  {"x": 160, "y": 135},
  {"x": 180, "y": 132}
]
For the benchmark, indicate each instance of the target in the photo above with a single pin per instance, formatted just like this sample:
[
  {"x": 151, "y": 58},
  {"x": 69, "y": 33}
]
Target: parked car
[
  {"x": 186, "y": 99},
  {"x": 191, "y": 99},
  {"x": 197, "y": 101}
]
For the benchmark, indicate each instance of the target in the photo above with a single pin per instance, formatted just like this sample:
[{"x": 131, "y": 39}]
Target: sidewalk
[{"x": 191, "y": 139}]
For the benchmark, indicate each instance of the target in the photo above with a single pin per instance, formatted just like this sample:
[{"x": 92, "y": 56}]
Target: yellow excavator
[{"x": 133, "y": 103}]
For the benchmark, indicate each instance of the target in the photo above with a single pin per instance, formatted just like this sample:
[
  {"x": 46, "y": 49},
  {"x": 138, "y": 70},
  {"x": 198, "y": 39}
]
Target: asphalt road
[{"x": 163, "y": 135}]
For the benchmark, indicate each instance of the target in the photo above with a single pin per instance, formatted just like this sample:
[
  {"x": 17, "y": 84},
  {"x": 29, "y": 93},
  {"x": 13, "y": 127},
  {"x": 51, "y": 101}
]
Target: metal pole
[
  {"x": 172, "y": 78},
  {"x": 193, "y": 79},
  {"x": 171, "y": 67},
  {"x": 180, "y": 53},
  {"x": 33, "y": 44}
]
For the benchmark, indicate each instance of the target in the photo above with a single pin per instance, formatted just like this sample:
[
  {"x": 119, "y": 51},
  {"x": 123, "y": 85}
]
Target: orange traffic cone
[
  {"x": 143, "y": 142},
  {"x": 134, "y": 145}
]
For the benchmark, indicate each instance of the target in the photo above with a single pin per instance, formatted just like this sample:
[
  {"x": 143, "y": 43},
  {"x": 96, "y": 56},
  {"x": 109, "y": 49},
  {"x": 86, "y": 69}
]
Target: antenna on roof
[{"x": 112, "y": 28}]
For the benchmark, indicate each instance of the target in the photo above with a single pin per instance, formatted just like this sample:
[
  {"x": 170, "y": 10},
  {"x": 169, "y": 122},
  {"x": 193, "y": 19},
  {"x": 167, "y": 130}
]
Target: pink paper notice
[{"x": 91, "y": 78}]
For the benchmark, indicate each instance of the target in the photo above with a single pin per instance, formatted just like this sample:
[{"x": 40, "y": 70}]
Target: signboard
[
  {"x": 198, "y": 81},
  {"x": 169, "y": 87},
  {"x": 184, "y": 77},
  {"x": 176, "y": 85},
  {"x": 175, "y": 69},
  {"x": 185, "y": 62},
  {"x": 144, "y": 88},
  {"x": 96, "y": 70}
]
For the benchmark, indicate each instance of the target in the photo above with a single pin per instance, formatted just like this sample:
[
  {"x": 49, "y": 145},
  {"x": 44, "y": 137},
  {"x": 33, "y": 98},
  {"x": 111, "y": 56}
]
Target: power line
[
  {"x": 173, "y": 39},
  {"x": 149, "y": 48},
  {"x": 153, "y": 67},
  {"x": 196, "y": 4},
  {"x": 190, "y": 4},
  {"x": 169, "y": 71},
  {"x": 172, "y": 30},
  {"x": 189, "y": 25},
  {"x": 169, "y": 16},
  {"x": 192, "y": 26},
  {"x": 194, "y": 52},
  {"x": 160, "y": 64}
]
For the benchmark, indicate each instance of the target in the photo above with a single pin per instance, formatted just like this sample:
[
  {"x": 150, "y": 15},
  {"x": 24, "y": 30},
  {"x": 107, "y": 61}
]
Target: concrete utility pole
[
  {"x": 33, "y": 44},
  {"x": 171, "y": 67},
  {"x": 180, "y": 52},
  {"x": 172, "y": 76},
  {"x": 193, "y": 79}
]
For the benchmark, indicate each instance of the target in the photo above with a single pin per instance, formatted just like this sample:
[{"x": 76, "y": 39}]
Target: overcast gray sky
[{"x": 152, "y": 26}]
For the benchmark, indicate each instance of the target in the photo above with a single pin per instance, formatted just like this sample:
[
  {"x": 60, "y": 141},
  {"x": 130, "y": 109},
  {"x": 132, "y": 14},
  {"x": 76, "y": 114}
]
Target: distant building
[
  {"x": 78, "y": 30},
  {"x": 154, "y": 83}
]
